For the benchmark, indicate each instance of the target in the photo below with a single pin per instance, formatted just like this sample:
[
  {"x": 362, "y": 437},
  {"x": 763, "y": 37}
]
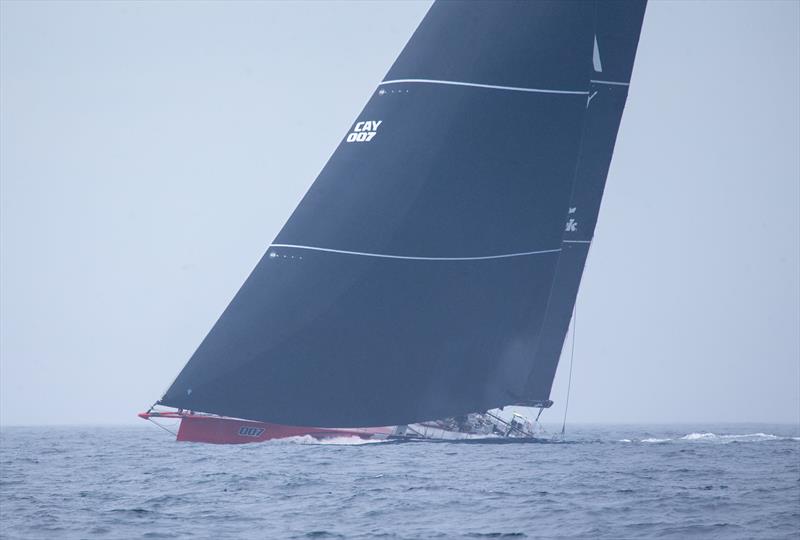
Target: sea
[{"x": 722, "y": 481}]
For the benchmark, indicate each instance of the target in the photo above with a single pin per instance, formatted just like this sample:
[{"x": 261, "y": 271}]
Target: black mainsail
[{"x": 415, "y": 280}]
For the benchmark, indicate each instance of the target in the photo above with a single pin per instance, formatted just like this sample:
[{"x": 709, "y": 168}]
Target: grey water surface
[{"x": 728, "y": 481}]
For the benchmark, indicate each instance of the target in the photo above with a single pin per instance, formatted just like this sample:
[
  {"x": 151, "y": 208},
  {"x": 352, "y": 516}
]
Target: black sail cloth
[
  {"x": 617, "y": 28},
  {"x": 413, "y": 279}
]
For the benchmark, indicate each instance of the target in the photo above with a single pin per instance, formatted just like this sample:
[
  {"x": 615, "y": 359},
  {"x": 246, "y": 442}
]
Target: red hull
[{"x": 224, "y": 430}]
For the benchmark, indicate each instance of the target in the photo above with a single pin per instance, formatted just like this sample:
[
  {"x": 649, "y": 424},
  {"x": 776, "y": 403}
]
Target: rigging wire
[
  {"x": 571, "y": 358},
  {"x": 163, "y": 427}
]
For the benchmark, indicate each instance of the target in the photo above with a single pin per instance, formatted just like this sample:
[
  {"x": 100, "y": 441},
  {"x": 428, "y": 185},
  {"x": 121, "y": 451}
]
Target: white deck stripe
[
  {"x": 407, "y": 257},
  {"x": 610, "y": 82},
  {"x": 490, "y": 86},
  {"x": 577, "y": 241}
]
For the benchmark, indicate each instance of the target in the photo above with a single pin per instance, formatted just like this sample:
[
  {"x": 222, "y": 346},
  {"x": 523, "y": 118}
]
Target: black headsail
[
  {"x": 412, "y": 281},
  {"x": 617, "y": 28}
]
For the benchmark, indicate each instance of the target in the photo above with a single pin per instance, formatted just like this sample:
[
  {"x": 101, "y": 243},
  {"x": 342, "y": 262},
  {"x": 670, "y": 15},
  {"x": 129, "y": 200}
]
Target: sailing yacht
[{"x": 428, "y": 276}]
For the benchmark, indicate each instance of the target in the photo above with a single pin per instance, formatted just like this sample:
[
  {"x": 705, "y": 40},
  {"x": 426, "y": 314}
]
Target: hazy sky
[{"x": 150, "y": 152}]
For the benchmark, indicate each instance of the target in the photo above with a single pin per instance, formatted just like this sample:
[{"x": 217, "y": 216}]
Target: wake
[
  {"x": 708, "y": 437},
  {"x": 331, "y": 441}
]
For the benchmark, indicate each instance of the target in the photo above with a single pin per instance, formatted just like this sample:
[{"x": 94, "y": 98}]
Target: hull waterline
[{"x": 208, "y": 428}]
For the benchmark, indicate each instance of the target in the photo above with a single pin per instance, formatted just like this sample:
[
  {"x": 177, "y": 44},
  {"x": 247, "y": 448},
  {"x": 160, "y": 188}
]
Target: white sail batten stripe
[
  {"x": 413, "y": 258},
  {"x": 618, "y": 83},
  {"x": 490, "y": 86}
]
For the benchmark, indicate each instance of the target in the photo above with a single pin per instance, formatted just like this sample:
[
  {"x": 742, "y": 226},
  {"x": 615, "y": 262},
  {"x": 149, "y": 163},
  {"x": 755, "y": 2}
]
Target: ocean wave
[
  {"x": 291, "y": 488},
  {"x": 747, "y": 437},
  {"x": 705, "y": 436}
]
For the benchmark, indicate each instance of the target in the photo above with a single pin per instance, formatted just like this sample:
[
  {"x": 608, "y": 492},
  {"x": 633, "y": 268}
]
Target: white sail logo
[
  {"x": 597, "y": 63},
  {"x": 364, "y": 131},
  {"x": 572, "y": 225}
]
